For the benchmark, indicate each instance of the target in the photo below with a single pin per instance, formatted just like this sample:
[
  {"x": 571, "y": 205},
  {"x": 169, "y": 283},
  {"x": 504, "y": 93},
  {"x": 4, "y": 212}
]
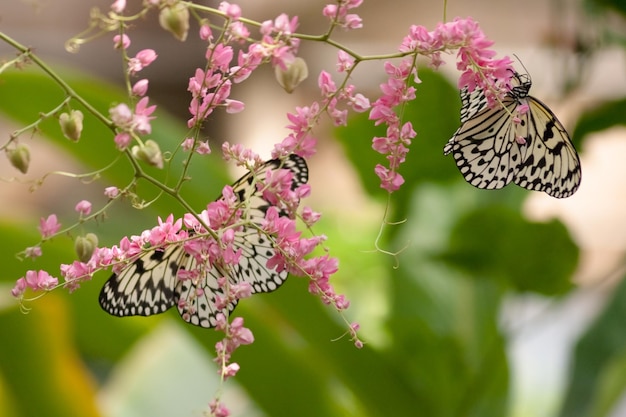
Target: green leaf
[
  {"x": 609, "y": 114},
  {"x": 498, "y": 243}
]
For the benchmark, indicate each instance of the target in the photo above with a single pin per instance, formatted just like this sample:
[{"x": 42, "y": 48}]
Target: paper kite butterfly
[
  {"x": 534, "y": 152},
  {"x": 149, "y": 285}
]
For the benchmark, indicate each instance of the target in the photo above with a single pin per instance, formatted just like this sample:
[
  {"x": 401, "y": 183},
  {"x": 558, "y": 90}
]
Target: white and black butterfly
[
  {"x": 535, "y": 152},
  {"x": 150, "y": 285}
]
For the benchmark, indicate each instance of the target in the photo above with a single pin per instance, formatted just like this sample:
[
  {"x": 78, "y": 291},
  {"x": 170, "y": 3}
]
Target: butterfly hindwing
[
  {"x": 150, "y": 285},
  {"x": 492, "y": 151},
  {"x": 554, "y": 166}
]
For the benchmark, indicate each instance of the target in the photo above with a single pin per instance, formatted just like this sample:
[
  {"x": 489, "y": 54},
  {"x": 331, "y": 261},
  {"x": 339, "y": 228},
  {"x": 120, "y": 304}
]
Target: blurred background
[{"x": 505, "y": 303}]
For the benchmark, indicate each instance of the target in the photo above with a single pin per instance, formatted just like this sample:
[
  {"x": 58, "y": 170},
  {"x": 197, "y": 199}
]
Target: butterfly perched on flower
[
  {"x": 519, "y": 140},
  {"x": 171, "y": 275}
]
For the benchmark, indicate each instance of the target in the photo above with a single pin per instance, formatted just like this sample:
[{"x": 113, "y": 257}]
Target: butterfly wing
[
  {"x": 552, "y": 164},
  {"x": 472, "y": 103},
  {"x": 150, "y": 284},
  {"x": 146, "y": 287},
  {"x": 488, "y": 154},
  {"x": 483, "y": 146}
]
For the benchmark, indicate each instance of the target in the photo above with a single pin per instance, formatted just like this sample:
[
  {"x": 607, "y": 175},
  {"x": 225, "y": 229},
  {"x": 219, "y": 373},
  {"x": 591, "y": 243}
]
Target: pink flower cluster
[
  {"x": 211, "y": 87},
  {"x": 304, "y": 119},
  {"x": 475, "y": 59},
  {"x": 338, "y": 14},
  {"x": 130, "y": 122},
  {"x": 236, "y": 335},
  {"x": 396, "y": 91},
  {"x": 36, "y": 281},
  {"x": 291, "y": 250}
]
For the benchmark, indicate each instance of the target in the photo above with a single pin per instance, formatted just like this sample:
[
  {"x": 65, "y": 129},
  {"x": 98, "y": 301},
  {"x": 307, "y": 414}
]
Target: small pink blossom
[
  {"x": 188, "y": 144},
  {"x": 32, "y": 252},
  {"x": 118, "y": 6},
  {"x": 230, "y": 370},
  {"x": 83, "y": 207},
  {"x": 121, "y": 115},
  {"x": 344, "y": 61},
  {"x": 141, "y": 118},
  {"x": 143, "y": 58},
  {"x": 122, "y": 140},
  {"x": 205, "y": 33},
  {"x": 309, "y": 216},
  {"x": 390, "y": 180},
  {"x": 19, "y": 288},
  {"x": 234, "y": 106},
  {"x": 140, "y": 88},
  {"x": 40, "y": 280},
  {"x": 49, "y": 226},
  {"x": 111, "y": 192},
  {"x": 203, "y": 148},
  {"x": 232, "y": 11},
  {"x": 218, "y": 409},
  {"x": 121, "y": 41}
]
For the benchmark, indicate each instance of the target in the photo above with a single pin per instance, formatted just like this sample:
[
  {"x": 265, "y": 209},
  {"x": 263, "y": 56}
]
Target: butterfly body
[
  {"x": 520, "y": 141},
  {"x": 152, "y": 283}
]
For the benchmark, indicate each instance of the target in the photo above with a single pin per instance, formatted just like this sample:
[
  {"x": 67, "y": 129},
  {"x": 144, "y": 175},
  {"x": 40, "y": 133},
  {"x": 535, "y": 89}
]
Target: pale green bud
[
  {"x": 85, "y": 246},
  {"x": 296, "y": 72},
  {"x": 72, "y": 124},
  {"x": 19, "y": 157},
  {"x": 149, "y": 152},
  {"x": 175, "y": 19}
]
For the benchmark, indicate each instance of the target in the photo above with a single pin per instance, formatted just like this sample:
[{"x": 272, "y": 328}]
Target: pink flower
[
  {"x": 122, "y": 140},
  {"x": 166, "y": 231},
  {"x": 344, "y": 61},
  {"x": 188, "y": 144},
  {"x": 326, "y": 84},
  {"x": 49, "y": 226},
  {"x": 19, "y": 288},
  {"x": 390, "y": 180},
  {"x": 232, "y": 11},
  {"x": 111, "y": 192},
  {"x": 40, "y": 280},
  {"x": 234, "y": 106},
  {"x": 118, "y": 6},
  {"x": 205, "y": 33},
  {"x": 140, "y": 88},
  {"x": 203, "y": 148},
  {"x": 32, "y": 252},
  {"x": 121, "y": 115},
  {"x": 143, "y": 58},
  {"x": 83, "y": 207},
  {"x": 338, "y": 14},
  {"x": 230, "y": 370},
  {"x": 121, "y": 41},
  {"x": 219, "y": 57},
  {"x": 141, "y": 118}
]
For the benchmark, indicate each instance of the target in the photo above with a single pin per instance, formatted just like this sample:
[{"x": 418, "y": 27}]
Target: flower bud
[
  {"x": 175, "y": 19},
  {"x": 140, "y": 88},
  {"x": 19, "y": 157},
  {"x": 149, "y": 152},
  {"x": 296, "y": 72},
  {"x": 85, "y": 246},
  {"x": 72, "y": 124}
]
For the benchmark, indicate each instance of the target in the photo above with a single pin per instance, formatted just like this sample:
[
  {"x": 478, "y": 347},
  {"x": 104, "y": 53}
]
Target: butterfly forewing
[
  {"x": 491, "y": 150},
  {"x": 146, "y": 287},
  {"x": 150, "y": 284}
]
